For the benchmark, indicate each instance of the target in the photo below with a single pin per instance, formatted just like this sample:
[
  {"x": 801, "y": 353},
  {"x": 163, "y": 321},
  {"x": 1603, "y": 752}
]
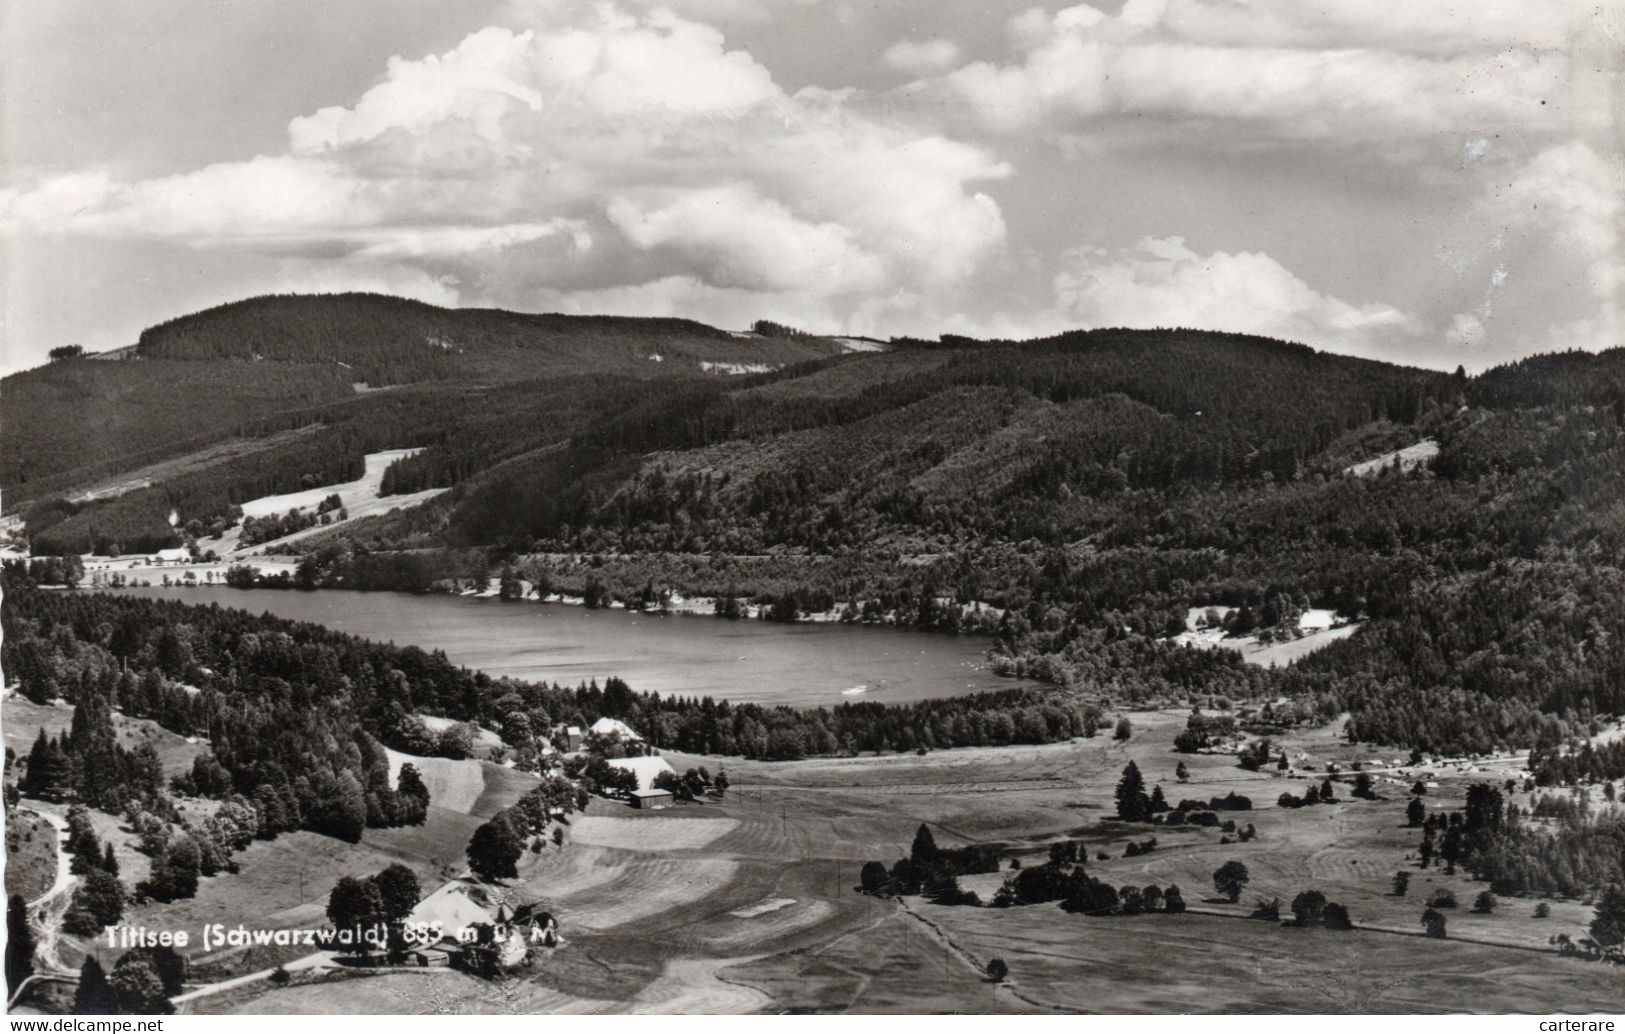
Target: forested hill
[
  {"x": 1094, "y": 485},
  {"x": 383, "y": 340},
  {"x": 231, "y": 379}
]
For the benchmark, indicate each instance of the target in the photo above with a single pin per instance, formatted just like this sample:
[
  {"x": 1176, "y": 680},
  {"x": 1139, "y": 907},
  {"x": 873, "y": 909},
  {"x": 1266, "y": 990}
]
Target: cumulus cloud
[
  {"x": 1345, "y": 72},
  {"x": 922, "y": 58},
  {"x": 1162, "y": 282},
  {"x": 581, "y": 148},
  {"x": 1574, "y": 198}
]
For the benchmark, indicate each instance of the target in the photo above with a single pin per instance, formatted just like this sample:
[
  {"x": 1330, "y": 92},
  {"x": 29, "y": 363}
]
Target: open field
[
  {"x": 750, "y": 903},
  {"x": 650, "y": 834},
  {"x": 467, "y": 786}
]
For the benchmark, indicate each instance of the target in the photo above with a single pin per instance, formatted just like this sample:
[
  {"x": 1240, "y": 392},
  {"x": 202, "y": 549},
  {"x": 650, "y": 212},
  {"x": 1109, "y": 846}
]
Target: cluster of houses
[{"x": 568, "y": 739}]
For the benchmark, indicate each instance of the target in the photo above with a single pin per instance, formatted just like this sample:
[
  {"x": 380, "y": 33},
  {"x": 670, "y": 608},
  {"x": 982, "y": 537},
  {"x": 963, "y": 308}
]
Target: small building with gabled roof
[{"x": 651, "y": 799}]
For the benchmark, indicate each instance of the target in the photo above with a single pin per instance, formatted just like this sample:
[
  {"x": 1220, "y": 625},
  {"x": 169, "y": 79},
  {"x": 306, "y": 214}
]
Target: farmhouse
[
  {"x": 606, "y": 726},
  {"x": 456, "y": 906},
  {"x": 647, "y": 769},
  {"x": 568, "y": 738},
  {"x": 651, "y": 799}
]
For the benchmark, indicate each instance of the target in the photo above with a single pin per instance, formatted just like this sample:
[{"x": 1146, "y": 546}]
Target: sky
[{"x": 1421, "y": 181}]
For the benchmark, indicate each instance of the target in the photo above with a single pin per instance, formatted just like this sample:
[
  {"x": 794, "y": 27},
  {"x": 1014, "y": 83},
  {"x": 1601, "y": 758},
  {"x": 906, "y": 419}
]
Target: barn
[
  {"x": 647, "y": 769},
  {"x": 649, "y": 799}
]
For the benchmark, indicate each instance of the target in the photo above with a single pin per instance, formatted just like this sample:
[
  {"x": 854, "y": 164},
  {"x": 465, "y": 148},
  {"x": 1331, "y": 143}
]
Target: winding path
[{"x": 45, "y": 915}]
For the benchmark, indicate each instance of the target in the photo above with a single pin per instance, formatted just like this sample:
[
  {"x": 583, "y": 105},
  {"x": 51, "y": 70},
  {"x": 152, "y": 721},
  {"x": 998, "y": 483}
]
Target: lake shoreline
[{"x": 802, "y": 663}]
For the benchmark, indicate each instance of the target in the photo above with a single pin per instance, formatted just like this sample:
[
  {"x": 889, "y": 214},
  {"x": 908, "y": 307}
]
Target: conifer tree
[{"x": 19, "y": 943}]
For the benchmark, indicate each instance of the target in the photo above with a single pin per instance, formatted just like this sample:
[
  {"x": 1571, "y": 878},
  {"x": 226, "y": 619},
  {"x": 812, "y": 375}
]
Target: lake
[{"x": 762, "y": 662}]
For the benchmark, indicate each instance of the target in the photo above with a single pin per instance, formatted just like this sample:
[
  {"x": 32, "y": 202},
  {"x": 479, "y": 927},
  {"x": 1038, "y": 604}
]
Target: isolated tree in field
[
  {"x": 1419, "y": 788},
  {"x": 1362, "y": 787},
  {"x": 1402, "y": 883},
  {"x": 1608, "y": 923},
  {"x": 1336, "y": 917},
  {"x": 1308, "y": 908},
  {"x": 1230, "y": 879},
  {"x": 1425, "y": 850},
  {"x": 1327, "y": 792},
  {"x": 1442, "y": 898},
  {"x": 924, "y": 851},
  {"x": 94, "y": 996},
  {"x": 1158, "y": 802},
  {"x": 1181, "y": 773},
  {"x": 1124, "y": 729},
  {"x": 997, "y": 970},
  {"x": 1434, "y": 924},
  {"x": 1485, "y": 903},
  {"x": 19, "y": 942},
  {"x": 1415, "y": 812},
  {"x": 494, "y": 849},
  {"x": 1543, "y": 911},
  {"x": 1132, "y": 803}
]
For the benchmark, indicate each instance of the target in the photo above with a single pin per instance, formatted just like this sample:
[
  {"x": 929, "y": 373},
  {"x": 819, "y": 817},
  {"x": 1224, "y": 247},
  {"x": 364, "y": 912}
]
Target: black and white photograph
[{"x": 514, "y": 508}]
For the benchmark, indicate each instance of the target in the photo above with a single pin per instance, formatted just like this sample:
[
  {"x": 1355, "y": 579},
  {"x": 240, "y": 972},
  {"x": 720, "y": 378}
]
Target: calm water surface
[{"x": 691, "y": 655}]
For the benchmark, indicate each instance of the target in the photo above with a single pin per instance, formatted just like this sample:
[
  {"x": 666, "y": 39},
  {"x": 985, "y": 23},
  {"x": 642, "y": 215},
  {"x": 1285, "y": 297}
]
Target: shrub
[
  {"x": 1485, "y": 903},
  {"x": 1402, "y": 883},
  {"x": 873, "y": 877},
  {"x": 1434, "y": 922},
  {"x": 997, "y": 970},
  {"x": 1268, "y": 910},
  {"x": 1543, "y": 911},
  {"x": 1172, "y": 900},
  {"x": 1230, "y": 878},
  {"x": 1441, "y": 898}
]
